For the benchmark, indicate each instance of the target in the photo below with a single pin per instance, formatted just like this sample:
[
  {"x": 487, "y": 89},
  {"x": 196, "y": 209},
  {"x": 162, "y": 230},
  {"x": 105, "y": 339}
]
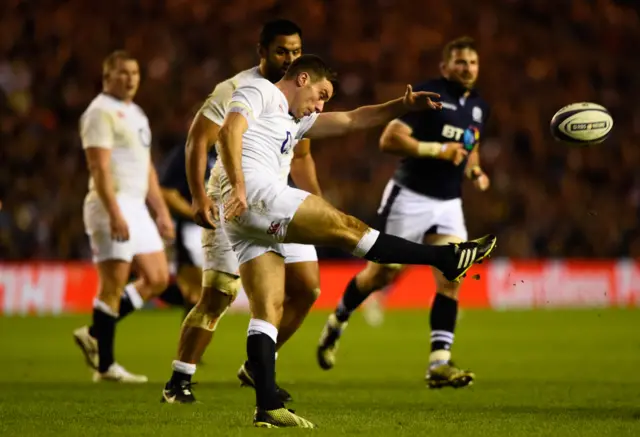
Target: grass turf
[{"x": 540, "y": 373}]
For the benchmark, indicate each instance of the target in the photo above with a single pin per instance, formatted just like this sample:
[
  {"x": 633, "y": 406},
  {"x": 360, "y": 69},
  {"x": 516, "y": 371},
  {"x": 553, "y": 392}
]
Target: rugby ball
[{"x": 582, "y": 124}]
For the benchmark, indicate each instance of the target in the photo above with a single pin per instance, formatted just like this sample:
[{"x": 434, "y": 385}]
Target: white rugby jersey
[
  {"x": 268, "y": 142},
  {"x": 124, "y": 128},
  {"x": 215, "y": 107},
  {"x": 219, "y": 102}
]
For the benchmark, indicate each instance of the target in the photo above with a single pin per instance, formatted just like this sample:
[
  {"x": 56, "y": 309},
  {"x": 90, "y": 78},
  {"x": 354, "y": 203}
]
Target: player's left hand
[
  {"x": 236, "y": 203},
  {"x": 480, "y": 179},
  {"x": 166, "y": 227},
  {"x": 421, "y": 100}
]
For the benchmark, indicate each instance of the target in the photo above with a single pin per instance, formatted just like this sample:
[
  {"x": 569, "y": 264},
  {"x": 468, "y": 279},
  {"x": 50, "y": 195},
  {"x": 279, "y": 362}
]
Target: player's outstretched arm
[
  {"x": 397, "y": 139},
  {"x": 303, "y": 168},
  {"x": 333, "y": 124}
]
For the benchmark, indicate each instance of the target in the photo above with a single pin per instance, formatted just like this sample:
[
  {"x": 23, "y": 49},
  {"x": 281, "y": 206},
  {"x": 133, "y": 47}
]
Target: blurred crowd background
[{"x": 546, "y": 199}]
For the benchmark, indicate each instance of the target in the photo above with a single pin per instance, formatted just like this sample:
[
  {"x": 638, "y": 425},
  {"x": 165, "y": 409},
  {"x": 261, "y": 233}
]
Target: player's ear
[
  {"x": 443, "y": 68},
  {"x": 262, "y": 52},
  {"x": 302, "y": 79}
]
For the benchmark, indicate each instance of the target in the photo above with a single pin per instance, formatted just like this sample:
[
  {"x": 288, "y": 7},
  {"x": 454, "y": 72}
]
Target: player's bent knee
[
  {"x": 219, "y": 290},
  {"x": 159, "y": 282},
  {"x": 223, "y": 282},
  {"x": 202, "y": 317},
  {"x": 308, "y": 298},
  {"x": 315, "y": 294}
]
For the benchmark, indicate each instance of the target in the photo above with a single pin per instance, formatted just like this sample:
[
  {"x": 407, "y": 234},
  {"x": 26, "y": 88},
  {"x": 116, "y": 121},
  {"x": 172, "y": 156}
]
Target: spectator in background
[{"x": 546, "y": 199}]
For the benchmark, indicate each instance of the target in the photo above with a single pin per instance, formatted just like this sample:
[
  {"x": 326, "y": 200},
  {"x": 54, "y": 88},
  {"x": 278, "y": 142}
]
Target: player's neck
[
  {"x": 458, "y": 87},
  {"x": 116, "y": 97},
  {"x": 270, "y": 76},
  {"x": 262, "y": 69},
  {"x": 287, "y": 88}
]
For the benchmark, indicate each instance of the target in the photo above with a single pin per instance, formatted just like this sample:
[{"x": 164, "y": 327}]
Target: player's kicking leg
[
  {"x": 307, "y": 219},
  {"x": 302, "y": 288},
  {"x": 317, "y": 222},
  {"x": 374, "y": 277}
]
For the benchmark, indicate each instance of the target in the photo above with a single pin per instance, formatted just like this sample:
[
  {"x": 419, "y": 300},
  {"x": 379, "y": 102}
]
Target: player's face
[
  {"x": 123, "y": 79},
  {"x": 462, "y": 67},
  {"x": 281, "y": 53},
  {"x": 310, "y": 96}
]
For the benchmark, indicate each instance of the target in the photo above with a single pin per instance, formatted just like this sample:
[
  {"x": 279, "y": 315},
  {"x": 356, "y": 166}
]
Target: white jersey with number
[
  {"x": 272, "y": 131},
  {"x": 217, "y": 106},
  {"x": 123, "y": 128},
  {"x": 218, "y": 252},
  {"x": 269, "y": 138}
]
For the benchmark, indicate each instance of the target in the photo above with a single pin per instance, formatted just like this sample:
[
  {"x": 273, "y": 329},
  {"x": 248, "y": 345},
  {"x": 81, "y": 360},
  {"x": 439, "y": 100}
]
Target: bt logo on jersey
[
  {"x": 452, "y": 132},
  {"x": 469, "y": 137}
]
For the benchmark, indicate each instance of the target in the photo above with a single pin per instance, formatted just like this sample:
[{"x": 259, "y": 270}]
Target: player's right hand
[
  {"x": 236, "y": 204},
  {"x": 454, "y": 152},
  {"x": 204, "y": 212},
  {"x": 119, "y": 228}
]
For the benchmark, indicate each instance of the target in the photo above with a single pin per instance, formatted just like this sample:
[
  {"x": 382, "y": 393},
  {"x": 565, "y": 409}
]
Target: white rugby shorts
[
  {"x": 143, "y": 233},
  {"x": 262, "y": 228},
  {"x": 190, "y": 240},
  {"x": 410, "y": 215}
]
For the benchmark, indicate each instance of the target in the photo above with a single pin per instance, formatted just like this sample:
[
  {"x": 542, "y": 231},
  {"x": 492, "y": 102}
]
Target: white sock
[
  {"x": 366, "y": 243},
  {"x": 134, "y": 296},
  {"x": 257, "y": 326},
  {"x": 182, "y": 367},
  {"x": 103, "y": 307}
]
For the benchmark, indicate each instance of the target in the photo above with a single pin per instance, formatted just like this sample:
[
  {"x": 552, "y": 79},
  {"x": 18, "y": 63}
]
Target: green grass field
[{"x": 545, "y": 373}]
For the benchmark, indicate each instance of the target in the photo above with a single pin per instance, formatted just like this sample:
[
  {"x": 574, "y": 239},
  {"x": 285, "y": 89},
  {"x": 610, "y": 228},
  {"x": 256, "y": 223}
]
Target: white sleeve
[
  {"x": 96, "y": 129},
  {"x": 215, "y": 107},
  {"x": 250, "y": 101},
  {"x": 305, "y": 124}
]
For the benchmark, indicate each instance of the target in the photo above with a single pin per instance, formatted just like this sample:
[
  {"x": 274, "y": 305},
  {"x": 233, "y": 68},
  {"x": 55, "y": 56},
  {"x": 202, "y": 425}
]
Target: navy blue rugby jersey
[
  {"x": 460, "y": 120},
  {"x": 174, "y": 170}
]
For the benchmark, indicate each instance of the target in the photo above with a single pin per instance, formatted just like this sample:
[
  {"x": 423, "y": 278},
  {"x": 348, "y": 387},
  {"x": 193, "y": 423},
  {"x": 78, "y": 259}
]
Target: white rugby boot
[{"x": 117, "y": 373}]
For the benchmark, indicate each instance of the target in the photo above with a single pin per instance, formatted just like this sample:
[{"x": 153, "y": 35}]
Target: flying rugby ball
[{"x": 582, "y": 124}]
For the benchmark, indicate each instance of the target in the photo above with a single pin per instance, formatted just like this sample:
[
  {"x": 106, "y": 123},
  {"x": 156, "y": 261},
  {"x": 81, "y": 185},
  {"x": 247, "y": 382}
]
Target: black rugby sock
[
  {"x": 261, "y": 354},
  {"x": 389, "y": 249},
  {"x": 444, "y": 313},
  {"x": 351, "y": 300},
  {"x": 104, "y": 328}
]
